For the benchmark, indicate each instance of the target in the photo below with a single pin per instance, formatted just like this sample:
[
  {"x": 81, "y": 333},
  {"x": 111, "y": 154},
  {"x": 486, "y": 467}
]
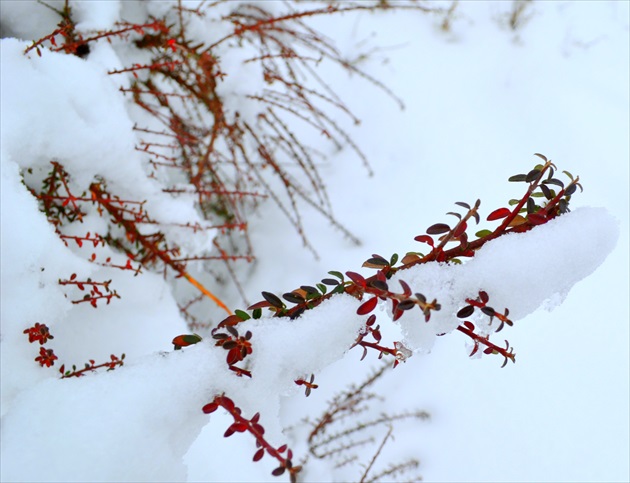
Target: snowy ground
[{"x": 480, "y": 100}]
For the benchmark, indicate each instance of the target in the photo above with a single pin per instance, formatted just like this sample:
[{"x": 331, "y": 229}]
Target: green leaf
[
  {"x": 339, "y": 275},
  {"x": 257, "y": 313},
  {"x": 517, "y": 177},
  {"x": 394, "y": 259},
  {"x": 482, "y": 233},
  {"x": 322, "y": 288},
  {"x": 242, "y": 315}
]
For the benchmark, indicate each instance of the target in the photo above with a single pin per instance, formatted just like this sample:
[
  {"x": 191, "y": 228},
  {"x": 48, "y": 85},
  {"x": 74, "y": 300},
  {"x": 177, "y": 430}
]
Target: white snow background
[{"x": 480, "y": 99}]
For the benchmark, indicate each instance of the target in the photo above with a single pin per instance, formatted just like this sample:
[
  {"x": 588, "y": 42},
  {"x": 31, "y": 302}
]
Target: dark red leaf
[
  {"x": 310, "y": 290},
  {"x": 532, "y": 175},
  {"x": 469, "y": 325},
  {"x": 368, "y": 306},
  {"x": 406, "y": 304},
  {"x": 273, "y": 299},
  {"x": 380, "y": 285},
  {"x": 370, "y": 321},
  {"x": 278, "y": 471},
  {"x": 483, "y": 296},
  {"x": 465, "y": 312},
  {"x": 489, "y": 311},
  {"x": 438, "y": 229},
  {"x": 282, "y": 448},
  {"x": 405, "y": 287},
  {"x": 498, "y": 214},
  {"x": 293, "y": 298},
  {"x": 330, "y": 281},
  {"x": 375, "y": 262}
]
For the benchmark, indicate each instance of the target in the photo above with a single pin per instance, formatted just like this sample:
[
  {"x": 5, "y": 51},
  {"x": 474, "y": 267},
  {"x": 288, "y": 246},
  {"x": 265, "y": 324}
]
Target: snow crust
[{"x": 521, "y": 272}]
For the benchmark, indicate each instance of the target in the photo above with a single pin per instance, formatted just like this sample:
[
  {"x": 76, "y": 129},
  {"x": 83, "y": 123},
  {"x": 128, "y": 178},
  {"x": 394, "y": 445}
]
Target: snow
[{"x": 480, "y": 99}]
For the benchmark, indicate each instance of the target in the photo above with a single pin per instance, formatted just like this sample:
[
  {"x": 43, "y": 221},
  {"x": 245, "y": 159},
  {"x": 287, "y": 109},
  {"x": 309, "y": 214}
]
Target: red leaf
[
  {"x": 368, "y": 306},
  {"x": 259, "y": 454},
  {"x": 282, "y": 448},
  {"x": 460, "y": 229},
  {"x": 227, "y": 403},
  {"x": 424, "y": 239},
  {"x": 259, "y": 305},
  {"x": 238, "y": 427},
  {"x": 356, "y": 278},
  {"x": 230, "y": 320},
  {"x": 406, "y": 288},
  {"x": 498, "y": 214},
  {"x": 536, "y": 219},
  {"x": 210, "y": 408}
]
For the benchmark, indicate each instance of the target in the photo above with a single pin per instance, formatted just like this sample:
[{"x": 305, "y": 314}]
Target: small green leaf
[
  {"x": 394, "y": 259},
  {"x": 242, "y": 315},
  {"x": 339, "y": 275},
  {"x": 517, "y": 177},
  {"x": 322, "y": 288},
  {"x": 257, "y": 313}
]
